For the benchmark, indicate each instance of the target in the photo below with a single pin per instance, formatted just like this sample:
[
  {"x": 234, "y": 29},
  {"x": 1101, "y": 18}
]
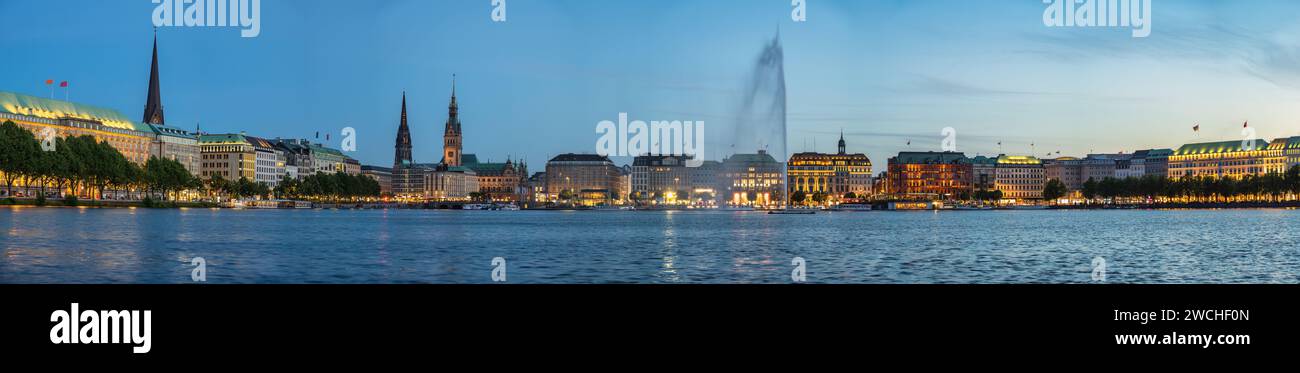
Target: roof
[
  {"x": 929, "y": 158},
  {"x": 1018, "y": 160},
  {"x": 20, "y": 104},
  {"x": 225, "y": 138},
  {"x": 165, "y": 130},
  {"x": 570, "y": 157},
  {"x": 468, "y": 158},
  {"x": 750, "y": 158},
  {"x": 982, "y": 160},
  {"x": 1217, "y": 147},
  {"x": 376, "y": 169}
]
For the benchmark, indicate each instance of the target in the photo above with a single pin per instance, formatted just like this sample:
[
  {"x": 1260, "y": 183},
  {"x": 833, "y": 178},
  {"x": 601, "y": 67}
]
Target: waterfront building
[
  {"x": 268, "y": 162},
  {"x": 230, "y": 156},
  {"x": 945, "y": 175},
  {"x": 835, "y": 175},
  {"x": 666, "y": 179},
  {"x": 327, "y": 160},
  {"x": 1069, "y": 170},
  {"x": 382, "y": 175},
  {"x": 1292, "y": 152},
  {"x": 351, "y": 166},
  {"x": 176, "y": 144},
  {"x": 584, "y": 179},
  {"x": 1155, "y": 161},
  {"x": 1098, "y": 167},
  {"x": 755, "y": 180},
  {"x": 298, "y": 162},
  {"x": 984, "y": 173},
  {"x": 1228, "y": 159},
  {"x": 450, "y": 183},
  {"x": 500, "y": 182},
  {"x": 535, "y": 189},
  {"x": 1020, "y": 177},
  {"x": 69, "y": 119}
]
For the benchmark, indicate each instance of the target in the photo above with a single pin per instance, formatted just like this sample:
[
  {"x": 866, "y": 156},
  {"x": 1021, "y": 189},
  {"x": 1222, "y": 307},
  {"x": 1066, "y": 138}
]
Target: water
[
  {"x": 56, "y": 245},
  {"x": 761, "y": 117}
]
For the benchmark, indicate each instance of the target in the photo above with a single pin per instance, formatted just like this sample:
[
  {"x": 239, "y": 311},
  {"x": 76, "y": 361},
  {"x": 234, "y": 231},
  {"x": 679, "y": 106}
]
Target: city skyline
[{"x": 1077, "y": 91}]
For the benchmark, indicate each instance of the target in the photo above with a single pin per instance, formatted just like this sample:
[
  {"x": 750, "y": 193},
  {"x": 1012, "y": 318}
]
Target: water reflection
[{"x": 53, "y": 245}]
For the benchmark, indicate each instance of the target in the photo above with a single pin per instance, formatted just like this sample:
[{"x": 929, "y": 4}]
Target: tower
[
  {"x": 843, "y": 149},
  {"x": 153, "y": 109},
  {"x": 403, "y": 147},
  {"x": 451, "y": 137}
]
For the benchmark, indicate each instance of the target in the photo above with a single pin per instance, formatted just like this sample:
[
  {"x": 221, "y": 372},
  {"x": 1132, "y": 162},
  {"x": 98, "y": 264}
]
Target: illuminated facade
[
  {"x": 1069, "y": 170},
  {"x": 500, "y": 182},
  {"x": 752, "y": 180},
  {"x": 68, "y": 119},
  {"x": 230, "y": 156},
  {"x": 382, "y": 175},
  {"x": 836, "y": 175},
  {"x": 584, "y": 179},
  {"x": 450, "y": 184},
  {"x": 944, "y": 175},
  {"x": 1020, "y": 177},
  {"x": 1232, "y": 159},
  {"x": 666, "y": 179}
]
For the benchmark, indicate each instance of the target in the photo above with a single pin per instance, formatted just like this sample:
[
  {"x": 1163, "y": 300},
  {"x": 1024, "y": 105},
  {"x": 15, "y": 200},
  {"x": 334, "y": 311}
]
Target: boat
[
  {"x": 792, "y": 212},
  {"x": 852, "y": 207},
  {"x": 735, "y": 208},
  {"x": 1026, "y": 207},
  {"x": 476, "y": 206},
  {"x": 972, "y": 208},
  {"x": 613, "y": 208}
]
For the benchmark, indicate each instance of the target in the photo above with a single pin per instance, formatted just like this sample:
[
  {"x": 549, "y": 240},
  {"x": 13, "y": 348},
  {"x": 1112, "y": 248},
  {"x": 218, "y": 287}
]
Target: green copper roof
[
  {"x": 225, "y": 138},
  {"x": 468, "y": 159},
  {"x": 20, "y": 104},
  {"x": 1217, "y": 147}
]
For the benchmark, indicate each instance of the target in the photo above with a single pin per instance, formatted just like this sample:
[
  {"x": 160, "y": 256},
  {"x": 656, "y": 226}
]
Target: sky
[{"x": 885, "y": 73}]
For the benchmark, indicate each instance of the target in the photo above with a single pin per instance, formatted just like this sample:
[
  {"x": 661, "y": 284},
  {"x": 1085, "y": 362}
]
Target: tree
[
  {"x": 798, "y": 197},
  {"x": 850, "y": 196},
  {"x": 1054, "y": 190},
  {"x": 1090, "y": 189},
  {"x": 819, "y": 197}
]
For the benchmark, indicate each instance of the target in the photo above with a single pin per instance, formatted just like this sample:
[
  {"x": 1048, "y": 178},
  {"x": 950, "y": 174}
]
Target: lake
[{"x": 84, "y": 245}]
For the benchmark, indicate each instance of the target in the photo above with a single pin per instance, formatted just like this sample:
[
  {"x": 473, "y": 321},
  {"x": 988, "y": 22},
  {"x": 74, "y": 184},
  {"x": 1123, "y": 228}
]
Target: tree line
[
  {"x": 1270, "y": 187},
  {"x": 84, "y": 166}
]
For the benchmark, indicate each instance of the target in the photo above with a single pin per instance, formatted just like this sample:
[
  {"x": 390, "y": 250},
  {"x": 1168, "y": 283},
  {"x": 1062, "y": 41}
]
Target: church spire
[
  {"x": 153, "y": 108},
  {"x": 843, "y": 149},
  {"x": 403, "y": 146}
]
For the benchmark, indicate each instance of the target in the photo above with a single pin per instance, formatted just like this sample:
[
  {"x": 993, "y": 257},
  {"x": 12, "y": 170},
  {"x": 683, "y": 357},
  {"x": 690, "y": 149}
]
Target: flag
[
  {"x": 1196, "y": 128},
  {"x": 64, "y": 84},
  {"x": 318, "y": 134},
  {"x": 1245, "y": 124},
  {"x": 49, "y": 81}
]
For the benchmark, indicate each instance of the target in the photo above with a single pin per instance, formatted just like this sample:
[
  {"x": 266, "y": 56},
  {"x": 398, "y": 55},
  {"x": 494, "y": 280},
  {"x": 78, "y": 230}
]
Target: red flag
[
  {"x": 49, "y": 81},
  {"x": 64, "y": 84}
]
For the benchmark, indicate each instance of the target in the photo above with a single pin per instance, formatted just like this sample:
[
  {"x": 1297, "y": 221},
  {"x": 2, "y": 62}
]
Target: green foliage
[{"x": 1054, "y": 189}]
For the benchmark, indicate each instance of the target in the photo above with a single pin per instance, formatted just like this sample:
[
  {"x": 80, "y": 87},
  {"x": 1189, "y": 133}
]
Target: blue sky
[{"x": 884, "y": 72}]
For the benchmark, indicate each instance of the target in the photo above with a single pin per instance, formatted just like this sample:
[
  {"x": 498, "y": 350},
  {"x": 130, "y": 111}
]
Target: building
[
  {"x": 666, "y": 179},
  {"x": 1232, "y": 159},
  {"x": 298, "y": 161},
  {"x": 1155, "y": 161},
  {"x": 984, "y": 173},
  {"x": 1099, "y": 167},
  {"x": 327, "y": 160},
  {"x": 499, "y": 182},
  {"x": 450, "y": 183},
  {"x": 382, "y": 175},
  {"x": 176, "y": 144},
  {"x": 168, "y": 142},
  {"x": 229, "y": 156},
  {"x": 945, "y": 175},
  {"x": 835, "y": 175},
  {"x": 68, "y": 119},
  {"x": 351, "y": 166},
  {"x": 451, "y": 136},
  {"x": 269, "y": 162},
  {"x": 755, "y": 180},
  {"x": 1020, "y": 177},
  {"x": 584, "y": 179},
  {"x": 1069, "y": 170}
]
